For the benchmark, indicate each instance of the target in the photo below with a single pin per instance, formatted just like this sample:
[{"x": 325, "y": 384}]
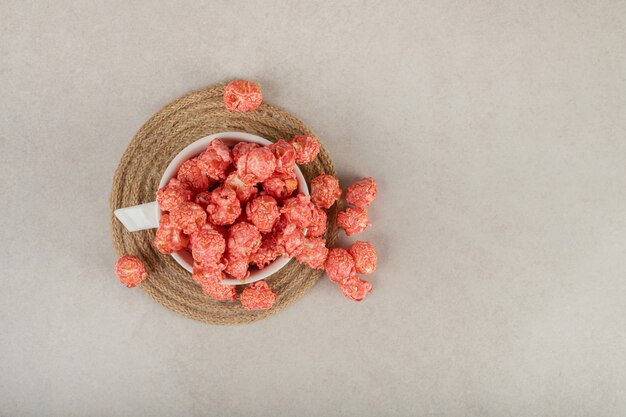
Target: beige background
[{"x": 497, "y": 134}]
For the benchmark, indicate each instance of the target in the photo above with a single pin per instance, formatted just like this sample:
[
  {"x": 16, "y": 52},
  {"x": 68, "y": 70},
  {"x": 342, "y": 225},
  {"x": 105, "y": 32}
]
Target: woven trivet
[{"x": 187, "y": 119}]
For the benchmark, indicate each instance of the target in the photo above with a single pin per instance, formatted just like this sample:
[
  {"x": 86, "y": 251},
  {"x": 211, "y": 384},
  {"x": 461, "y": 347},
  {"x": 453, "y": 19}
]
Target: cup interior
[{"x": 194, "y": 149}]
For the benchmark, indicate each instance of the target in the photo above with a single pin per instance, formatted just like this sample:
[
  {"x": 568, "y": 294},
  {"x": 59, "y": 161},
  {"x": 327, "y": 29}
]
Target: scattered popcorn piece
[
  {"x": 353, "y": 220},
  {"x": 313, "y": 253},
  {"x": 207, "y": 247},
  {"x": 257, "y": 296},
  {"x": 339, "y": 265},
  {"x": 267, "y": 253},
  {"x": 169, "y": 238},
  {"x": 242, "y": 95},
  {"x": 318, "y": 223},
  {"x": 285, "y": 155},
  {"x": 281, "y": 186},
  {"x": 243, "y": 190},
  {"x": 173, "y": 194},
  {"x": 298, "y": 210},
  {"x": 364, "y": 255},
  {"x": 256, "y": 165},
  {"x": 215, "y": 160},
  {"x": 263, "y": 212},
  {"x": 190, "y": 174},
  {"x": 325, "y": 190},
  {"x": 130, "y": 270},
  {"x": 307, "y": 147},
  {"x": 355, "y": 288},
  {"x": 244, "y": 239},
  {"x": 188, "y": 217},
  {"x": 361, "y": 193}
]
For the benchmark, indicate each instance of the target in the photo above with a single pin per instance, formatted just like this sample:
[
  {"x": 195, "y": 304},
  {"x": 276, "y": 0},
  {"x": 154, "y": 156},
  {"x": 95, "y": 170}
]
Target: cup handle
[{"x": 141, "y": 217}]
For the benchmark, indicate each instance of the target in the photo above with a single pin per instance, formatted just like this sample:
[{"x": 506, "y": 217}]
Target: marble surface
[{"x": 497, "y": 134}]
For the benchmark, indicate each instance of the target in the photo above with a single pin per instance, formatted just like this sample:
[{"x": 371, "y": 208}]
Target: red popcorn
[
  {"x": 237, "y": 268},
  {"x": 281, "y": 186},
  {"x": 189, "y": 217},
  {"x": 364, "y": 255},
  {"x": 267, "y": 253},
  {"x": 242, "y": 148},
  {"x": 207, "y": 247},
  {"x": 361, "y": 193},
  {"x": 263, "y": 213},
  {"x": 215, "y": 160},
  {"x": 353, "y": 220},
  {"x": 211, "y": 282},
  {"x": 290, "y": 240},
  {"x": 203, "y": 199},
  {"x": 243, "y": 190},
  {"x": 298, "y": 210},
  {"x": 355, "y": 288},
  {"x": 242, "y": 95},
  {"x": 169, "y": 238},
  {"x": 130, "y": 270},
  {"x": 325, "y": 190},
  {"x": 173, "y": 194},
  {"x": 285, "y": 155},
  {"x": 318, "y": 223},
  {"x": 190, "y": 174},
  {"x": 256, "y": 165},
  {"x": 313, "y": 253},
  {"x": 307, "y": 147},
  {"x": 224, "y": 208},
  {"x": 339, "y": 265},
  {"x": 243, "y": 240},
  {"x": 257, "y": 296}
]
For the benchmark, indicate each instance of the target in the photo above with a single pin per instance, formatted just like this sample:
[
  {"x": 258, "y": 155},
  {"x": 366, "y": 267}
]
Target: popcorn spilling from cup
[{"x": 238, "y": 209}]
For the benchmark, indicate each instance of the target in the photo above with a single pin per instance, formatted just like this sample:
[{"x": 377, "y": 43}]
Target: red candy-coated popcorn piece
[
  {"x": 173, "y": 194},
  {"x": 256, "y": 165},
  {"x": 318, "y": 223},
  {"x": 190, "y": 174},
  {"x": 313, "y": 253},
  {"x": 353, "y": 220},
  {"x": 257, "y": 296},
  {"x": 242, "y": 148},
  {"x": 215, "y": 160},
  {"x": 285, "y": 155},
  {"x": 339, "y": 265},
  {"x": 355, "y": 288},
  {"x": 244, "y": 239},
  {"x": 325, "y": 190},
  {"x": 130, "y": 270},
  {"x": 364, "y": 255},
  {"x": 224, "y": 208},
  {"x": 307, "y": 147},
  {"x": 290, "y": 239},
  {"x": 267, "y": 253},
  {"x": 207, "y": 247},
  {"x": 243, "y": 190},
  {"x": 263, "y": 212},
  {"x": 281, "y": 186},
  {"x": 169, "y": 238},
  {"x": 242, "y": 95},
  {"x": 298, "y": 210},
  {"x": 203, "y": 199},
  {"x": 211, "y": 282},
  {"x": 188, "y": 217},
  {"x": 361, "y": 193},
  {"x": 237, "y": 268}
]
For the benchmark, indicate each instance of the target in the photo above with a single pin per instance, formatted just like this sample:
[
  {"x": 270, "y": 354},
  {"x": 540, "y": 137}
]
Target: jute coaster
[{"x": 189, "y": 118}]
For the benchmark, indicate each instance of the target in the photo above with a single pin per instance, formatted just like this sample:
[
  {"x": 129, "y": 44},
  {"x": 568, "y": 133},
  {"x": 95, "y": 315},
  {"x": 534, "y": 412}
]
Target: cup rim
[{"x": 183, "y": 257}]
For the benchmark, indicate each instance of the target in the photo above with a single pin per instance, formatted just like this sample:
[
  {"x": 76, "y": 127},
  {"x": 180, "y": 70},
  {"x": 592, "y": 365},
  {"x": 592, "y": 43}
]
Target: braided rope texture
[{"x": 160, "y": 139}]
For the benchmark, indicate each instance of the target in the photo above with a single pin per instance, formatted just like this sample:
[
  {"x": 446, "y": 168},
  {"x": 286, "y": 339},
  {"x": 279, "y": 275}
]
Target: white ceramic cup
[{"x": 147, "y": 216}]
